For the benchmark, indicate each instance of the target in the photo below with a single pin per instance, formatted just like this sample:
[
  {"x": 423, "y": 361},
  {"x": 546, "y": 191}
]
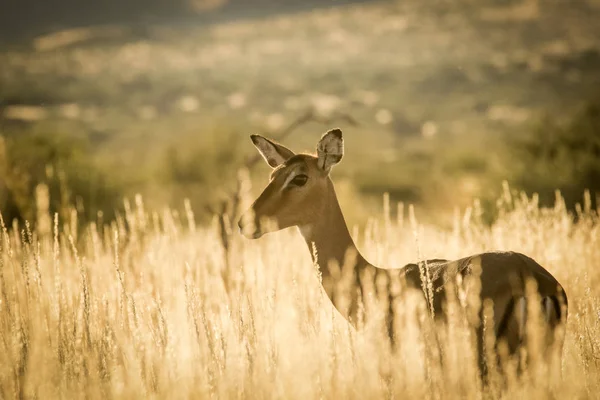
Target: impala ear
[
  {"x": 330, "y": 149},
  {"x": 274, "y": 154}
]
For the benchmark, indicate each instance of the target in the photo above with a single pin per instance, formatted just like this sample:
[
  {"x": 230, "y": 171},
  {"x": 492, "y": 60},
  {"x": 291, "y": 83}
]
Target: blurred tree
[
  {"x": 60, "y": 161},
  {"x": 204, "y": 169},
  {"x": 563, "y": 156}
]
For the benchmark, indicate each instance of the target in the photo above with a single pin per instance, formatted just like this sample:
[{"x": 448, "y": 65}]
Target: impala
[{"x": 300, "y": 193}]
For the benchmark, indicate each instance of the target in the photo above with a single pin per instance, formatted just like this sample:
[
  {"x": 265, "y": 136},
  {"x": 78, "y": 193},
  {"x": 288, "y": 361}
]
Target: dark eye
[{"x": 299, "y": 180}]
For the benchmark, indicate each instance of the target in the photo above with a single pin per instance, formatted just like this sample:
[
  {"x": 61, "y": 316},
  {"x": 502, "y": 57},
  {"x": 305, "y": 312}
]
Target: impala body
[{"x": 301, "y": 193}]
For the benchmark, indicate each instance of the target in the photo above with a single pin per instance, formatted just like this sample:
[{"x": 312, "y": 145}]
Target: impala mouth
[
  {"x": 251, "y": 235},
  {"x": 255, "y": 235},
  {"x": 253, "y": 228},
  {"x": 249, "y": 229}
]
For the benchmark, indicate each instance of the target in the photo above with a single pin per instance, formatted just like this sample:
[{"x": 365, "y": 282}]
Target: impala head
[{"x": 298, "y": 186}]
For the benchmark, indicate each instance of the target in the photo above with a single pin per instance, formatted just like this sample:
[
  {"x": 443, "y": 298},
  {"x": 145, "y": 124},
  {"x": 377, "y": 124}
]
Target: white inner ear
[
  {"x": 269, "y": 152},
  {"x": 330, "y": 151},
  {"x": 273, "y": 157}
]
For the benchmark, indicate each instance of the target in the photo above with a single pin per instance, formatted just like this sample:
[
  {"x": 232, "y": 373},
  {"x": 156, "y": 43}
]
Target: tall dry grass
[{"x": 150, "y": 307}]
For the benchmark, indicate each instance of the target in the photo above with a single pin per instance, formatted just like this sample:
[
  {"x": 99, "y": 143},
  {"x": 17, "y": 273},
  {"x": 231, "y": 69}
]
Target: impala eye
[{"x": 299, "y": 180}]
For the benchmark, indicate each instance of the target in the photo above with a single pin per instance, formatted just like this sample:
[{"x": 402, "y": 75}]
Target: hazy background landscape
[
  {"x": 106, "y": 294},
  {"x": 102, "y": 100}
]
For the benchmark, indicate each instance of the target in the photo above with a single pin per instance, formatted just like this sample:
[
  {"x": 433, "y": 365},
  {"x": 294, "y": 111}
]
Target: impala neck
[{"x": 331, "y": 239}]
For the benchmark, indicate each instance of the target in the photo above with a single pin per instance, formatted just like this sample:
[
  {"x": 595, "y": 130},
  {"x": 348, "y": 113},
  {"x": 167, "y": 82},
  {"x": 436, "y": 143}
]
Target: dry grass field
[
  {"x": 432, "y": 86},
  {"x": 149, "y": 308}
]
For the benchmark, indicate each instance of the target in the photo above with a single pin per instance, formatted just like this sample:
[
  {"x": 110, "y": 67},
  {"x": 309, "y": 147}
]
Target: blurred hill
[
  {"x": 24, "y": 19},
  {"x": 452, "y": 97}
]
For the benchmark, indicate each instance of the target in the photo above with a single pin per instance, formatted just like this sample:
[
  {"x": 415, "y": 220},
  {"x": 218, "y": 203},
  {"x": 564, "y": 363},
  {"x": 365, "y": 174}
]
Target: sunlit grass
[{"x": 150, "y": 306}]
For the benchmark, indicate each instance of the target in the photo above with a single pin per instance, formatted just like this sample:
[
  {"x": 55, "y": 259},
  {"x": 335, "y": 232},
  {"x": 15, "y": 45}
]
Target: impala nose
[
  {"x": 243, "y": 226},
  {"x": 240, "y": 227},
  {"x": 248, "y": 226}
]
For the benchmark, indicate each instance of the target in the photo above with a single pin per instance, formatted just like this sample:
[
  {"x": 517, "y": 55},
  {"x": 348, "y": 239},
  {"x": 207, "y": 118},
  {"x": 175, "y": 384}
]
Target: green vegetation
[
  {"x": 444, "y": 98},
  {"x": 62, "y": 164},
  {"x": 564, "y": 156}
]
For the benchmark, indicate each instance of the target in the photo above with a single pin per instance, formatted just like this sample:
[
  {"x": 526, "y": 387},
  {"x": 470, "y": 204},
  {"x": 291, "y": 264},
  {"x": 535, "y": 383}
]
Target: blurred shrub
[
  {"x": 201, "y": 164},
  {"x": 559, "y": 155},
  {"x": 202, "y": 168},
  {"x": 63, "y": 163}
]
